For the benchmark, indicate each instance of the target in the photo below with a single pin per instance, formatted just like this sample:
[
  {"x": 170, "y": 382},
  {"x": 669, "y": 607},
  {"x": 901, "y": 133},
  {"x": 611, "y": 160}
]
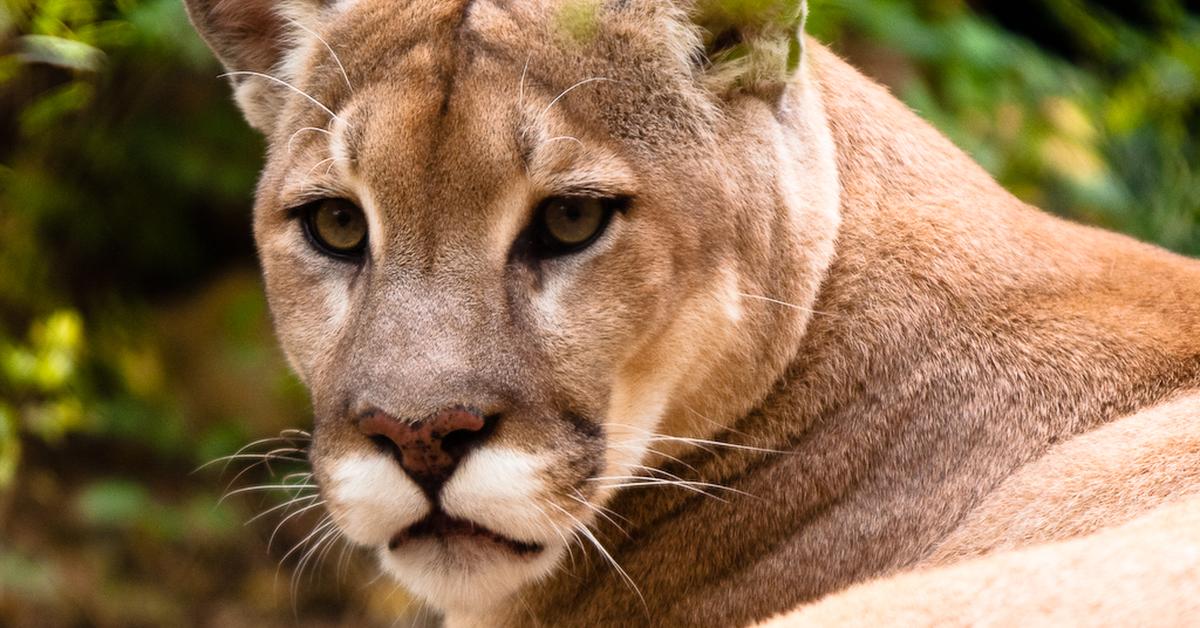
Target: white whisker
[
  {"x": 568, "y": 90},
  {"x": 279, "y": 525},
  {"x": 643, "y": 481},
  {"x": 266, "y": 487},
  {"x": 583, "y": 529},
  {"x": 266, "y": 460},
  {"x": 320, "y": 532},
  {"x": 303, "y": 129},
  {"x": 327, "y": 47},
  {"x": 240, "y": 451},
  {"x": 274, "y": 454},
  {"x": 719, "y": 426},
  {"x": 656, "y": 437},
  {"x": 692, "y": 489},
  {"x": 651, "y": 450},
  {"x": 521, "y": 84},
  {"x": 782, "y": 303},
  {"x": 312, "y": 558},
  {"x": 329, "y": 160},
  {"x": 550, "y": 524},
  {"x": 713, "y": 443},
  {"x": 563, "y": 137},
  {"x": 344, "y": 561},
  {"x": 578, "y": 540},
  {"x": 298, "y": 572},
  {"x": 258, "y": 458},
  {"x": 601, "y": 513},
  {"x": 303, "y": 475},
  {"x": 287, "y": 85},
  {"x": 288, "y": 503},
  {"x": 320, "y": 528},
  {"x": 298, "y": 484}
]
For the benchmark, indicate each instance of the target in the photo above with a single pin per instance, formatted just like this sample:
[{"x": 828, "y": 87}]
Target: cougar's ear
[
  {"x": 252, "y": 37},
  {"x": 751, "y": 45}
]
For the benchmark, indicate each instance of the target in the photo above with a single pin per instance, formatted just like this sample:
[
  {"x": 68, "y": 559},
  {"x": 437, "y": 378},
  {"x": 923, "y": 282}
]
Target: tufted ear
[
  {"x": 751, "y": 45},
  {"x": 252, "y": 37}
]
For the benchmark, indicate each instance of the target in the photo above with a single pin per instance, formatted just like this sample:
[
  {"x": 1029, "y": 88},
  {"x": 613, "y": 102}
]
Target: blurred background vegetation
[{"x": 134, "y": 340}]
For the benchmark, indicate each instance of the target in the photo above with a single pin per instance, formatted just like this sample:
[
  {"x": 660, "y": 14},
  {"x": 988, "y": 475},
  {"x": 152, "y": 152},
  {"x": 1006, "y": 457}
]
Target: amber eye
[
  {"x": 336, "y": 227},
  {"x": 565, "y": 224}
]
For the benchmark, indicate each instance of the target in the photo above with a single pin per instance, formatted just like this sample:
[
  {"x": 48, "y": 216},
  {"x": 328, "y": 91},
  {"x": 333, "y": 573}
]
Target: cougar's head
[{"x": 517, "y": 250}]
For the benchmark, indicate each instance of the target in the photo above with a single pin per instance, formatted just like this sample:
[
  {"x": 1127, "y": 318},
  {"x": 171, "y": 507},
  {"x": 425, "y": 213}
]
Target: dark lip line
[{"x": 439, "y": 525}]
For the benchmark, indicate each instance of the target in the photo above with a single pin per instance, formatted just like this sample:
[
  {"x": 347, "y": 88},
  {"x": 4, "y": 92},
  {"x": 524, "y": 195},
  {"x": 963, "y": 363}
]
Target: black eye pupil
[
  {"x": 336, "y": 227},
  {"x": 566, "y": 224}
]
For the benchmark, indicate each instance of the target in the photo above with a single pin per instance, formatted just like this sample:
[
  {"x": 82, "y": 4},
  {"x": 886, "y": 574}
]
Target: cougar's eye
[
  {"x": 565, "y": 224},
  {"x": 336, "y": 227}
]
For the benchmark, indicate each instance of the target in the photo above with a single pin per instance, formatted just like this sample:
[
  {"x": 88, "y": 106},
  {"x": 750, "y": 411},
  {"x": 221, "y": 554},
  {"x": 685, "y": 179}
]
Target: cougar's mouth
[{"x": 439, "y": 525}]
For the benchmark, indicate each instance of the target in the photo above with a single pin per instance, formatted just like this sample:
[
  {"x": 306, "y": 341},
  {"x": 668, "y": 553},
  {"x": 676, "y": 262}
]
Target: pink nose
[{"x": 428, "y": 450}]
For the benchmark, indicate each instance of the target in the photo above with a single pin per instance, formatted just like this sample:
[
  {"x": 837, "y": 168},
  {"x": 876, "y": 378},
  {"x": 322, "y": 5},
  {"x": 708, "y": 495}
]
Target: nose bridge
[
  {"x": 427, "y": 342},
  {"x": 443, "y": 170}
]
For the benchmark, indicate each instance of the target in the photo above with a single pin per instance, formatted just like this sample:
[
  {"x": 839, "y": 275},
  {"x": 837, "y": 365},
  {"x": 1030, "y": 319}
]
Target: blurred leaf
[
  {"x": 25, "y": 577},
  {"x": 6, "y": 17},
  {"x": 141, "y": 370},
  {"x": 20, "y": 366},
  {"x": 163, "y": 25},
  {"x": 42, "y": 115},
  {"x": 205, "y": 522},
  {"x": 10, "y": 65},
  {"x": 10, "y": 446},
  {"x": 62, "y": 330},
  {"x": 51, "y": 421},
  {"x": 114, "y": 503},
  {"x": 62, "y": 52},
  {"x": 219, "y": 441}
]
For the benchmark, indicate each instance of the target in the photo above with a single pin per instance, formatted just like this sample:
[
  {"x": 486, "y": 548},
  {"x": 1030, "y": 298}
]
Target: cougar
[{"x": 658, "y": 313}]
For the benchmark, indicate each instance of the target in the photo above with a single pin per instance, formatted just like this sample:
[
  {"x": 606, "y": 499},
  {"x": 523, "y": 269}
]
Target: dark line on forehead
[
  {"x": 456, "y": 46},
  {"x": 532, "y": 77},
  {"x": 461, "y": 47}
]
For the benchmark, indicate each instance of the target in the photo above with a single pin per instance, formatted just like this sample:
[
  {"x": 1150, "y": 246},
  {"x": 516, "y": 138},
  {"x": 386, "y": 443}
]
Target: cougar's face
[{"x": 509, "y": 276}]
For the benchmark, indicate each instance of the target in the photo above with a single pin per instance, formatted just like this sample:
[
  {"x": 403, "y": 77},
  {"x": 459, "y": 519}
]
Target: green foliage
[
  {"x": 103, "y": 200},
  {"x": 1111, "y": 140},
  {"x": 26, "y": 577},
  {"x": 125, "y": 182},
  {"x": 39, "y": 381}
]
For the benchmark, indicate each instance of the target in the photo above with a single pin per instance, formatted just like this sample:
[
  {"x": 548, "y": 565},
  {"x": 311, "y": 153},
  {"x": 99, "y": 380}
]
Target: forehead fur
[{"x": 637, "y": 61}]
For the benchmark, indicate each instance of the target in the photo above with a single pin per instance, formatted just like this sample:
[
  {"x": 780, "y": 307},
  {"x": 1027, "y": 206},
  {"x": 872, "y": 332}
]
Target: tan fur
[
  {"x": 1143, "y": 573},
  {"x": 1126, "y": 567},
  {"x": 899, "y": 364},
  {"x": 1105, "y": 477}
]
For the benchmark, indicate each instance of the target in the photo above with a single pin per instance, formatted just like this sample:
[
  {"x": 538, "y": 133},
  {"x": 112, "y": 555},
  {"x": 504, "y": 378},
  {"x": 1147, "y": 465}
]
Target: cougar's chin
[
  {"x": 458, "y": 566},
  {"x": 490, "y": 535},
  {"x": 494, "y": 527}
]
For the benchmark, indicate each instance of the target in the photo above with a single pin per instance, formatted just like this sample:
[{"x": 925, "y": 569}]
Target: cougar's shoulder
[
  {"x": 1103, "y": 478},
  {"x": 1143, "y": 572}
]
